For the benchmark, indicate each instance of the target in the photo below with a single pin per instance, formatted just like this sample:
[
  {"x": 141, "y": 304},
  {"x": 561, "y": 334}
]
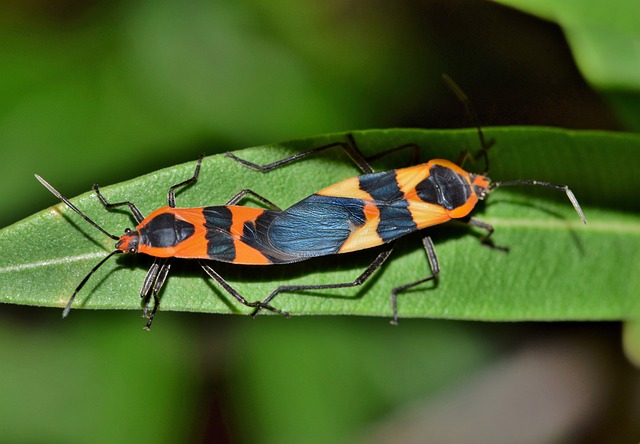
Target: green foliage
[
  {"x": 65, "y": 381},
  {"x": 605, "y": 41},
  {"x": 604, "y": 37},
  {"x": 556, "y": 269}
]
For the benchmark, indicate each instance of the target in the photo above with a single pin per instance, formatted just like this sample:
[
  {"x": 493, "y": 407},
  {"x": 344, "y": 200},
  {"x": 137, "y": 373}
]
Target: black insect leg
[
  {"x": 349, "y": 148},
  {"x": 366, "y": 274},
  {"x": 163, "y": 273},
  {"x": 414, "y": 147},
  {"x": 109, "y": 206},
  {"x": 239, "y": 196},
  {"x": 67, "y": 308},
  {"x": 153, "y": 283},
  {"x": 147, "y": 284},
  {"x": 233, "y": 292},
  {"x": 435, "y": 271},
  {"x": 171, "y": 195},
  {"x": 473, "y": 118},
  {"x": 486, "y": 239}
]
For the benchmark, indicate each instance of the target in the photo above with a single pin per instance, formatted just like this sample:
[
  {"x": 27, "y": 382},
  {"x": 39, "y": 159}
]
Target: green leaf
[
  {"x": 605, "y": 41},
  {"x": 604, "y": 37},
  {"x": 556, "y": 269},
  {"x": 96, "y": 388}
]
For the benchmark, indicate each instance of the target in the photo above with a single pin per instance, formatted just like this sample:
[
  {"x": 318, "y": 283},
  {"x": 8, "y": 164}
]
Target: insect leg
[
  {"x": 350, "y": 148},
  {"x": 136, "y": 213},
  {"x": 435, "y": 271},
  {"x": 473, "y": 118},
  {"x": 171, "y": 195},
  {"x": 414, "y": 147},
  {"x": 485, "y": 240},
  {"x": 147, "y": 284},
  {"x": 233, "y": 292},
  {"x": 163, "y": 273},
  {"x": 65, "y": 312},
  {"x": 366, "y": 274},
  {"x": 238, "y": 197}
]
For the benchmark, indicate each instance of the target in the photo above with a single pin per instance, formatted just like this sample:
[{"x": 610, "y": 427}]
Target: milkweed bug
[
  {"x": 378, "y": 208},
  {"x": 374, "y": 209},
  {"x": 206, "y": 233}
]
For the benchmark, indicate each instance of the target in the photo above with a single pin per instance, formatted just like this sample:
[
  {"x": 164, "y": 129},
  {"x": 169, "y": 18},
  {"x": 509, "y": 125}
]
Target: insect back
[
  {"x": 171, "y": 232},
  {"x": 376, "y": 209}
]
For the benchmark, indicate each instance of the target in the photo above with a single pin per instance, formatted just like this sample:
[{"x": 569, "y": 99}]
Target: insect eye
[
  {"x": 127, "y": 230},
  {"x": 132, "y": 250}
]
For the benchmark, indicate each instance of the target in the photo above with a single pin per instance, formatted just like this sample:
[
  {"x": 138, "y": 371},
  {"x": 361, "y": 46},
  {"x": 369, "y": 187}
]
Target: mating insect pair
[{"x": 374, "y": 209}]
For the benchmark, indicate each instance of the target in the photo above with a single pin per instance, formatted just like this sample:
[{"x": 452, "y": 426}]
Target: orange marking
[
  {"x": 426, "y": 215},
  {"x": 371, "y": 212},
  {"x": 244, "y": 253},
  {"x": 365, "y": 236},
  {"x": 240, "y": 215},
  {"x": 196, "y": 245},
  {"x": 465, "y": 209},
  {"x": 409, "y": 178},
  {"x": 347, "y": 188},
  {"x": 247, "y": 255},
  {"x": 482, "y": 182}
]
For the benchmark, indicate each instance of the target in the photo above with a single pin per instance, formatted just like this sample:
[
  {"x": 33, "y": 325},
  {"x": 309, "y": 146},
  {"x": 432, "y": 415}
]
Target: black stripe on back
[
  {"x": 381, "y": 186},
  {"x": 395, "y": 218},
  {"x": 218, "y": 222}
]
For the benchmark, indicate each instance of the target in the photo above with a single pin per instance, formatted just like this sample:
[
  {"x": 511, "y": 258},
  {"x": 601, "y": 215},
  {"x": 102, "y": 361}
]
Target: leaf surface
[{"x": 556, "y": 269}]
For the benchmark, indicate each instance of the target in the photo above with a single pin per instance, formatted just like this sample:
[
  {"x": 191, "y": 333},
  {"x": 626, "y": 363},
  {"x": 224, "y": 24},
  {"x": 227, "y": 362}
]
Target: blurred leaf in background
[
  {"x": 605, "y": 41},
  {"x": 92, "y": 380},
  {"x": 604, "y": 37},
  {"x": 128, "y": 87}
]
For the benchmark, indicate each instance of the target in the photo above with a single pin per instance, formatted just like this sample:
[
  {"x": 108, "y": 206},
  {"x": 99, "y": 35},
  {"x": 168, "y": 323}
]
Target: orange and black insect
[
  {"x": 358, "y": 213},
  {"x": 206, "y": 233},
  {"x": 376, "y": 209}
]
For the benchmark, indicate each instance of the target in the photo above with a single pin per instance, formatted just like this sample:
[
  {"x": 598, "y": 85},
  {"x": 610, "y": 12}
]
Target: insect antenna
[
  {"x": 56, "y": 193},
  {"x": 73, "y": 207},
  {"x": 564, "y": 188},
  {"x": 65, "y": 312},
  {"x": 473, "y": 118}
]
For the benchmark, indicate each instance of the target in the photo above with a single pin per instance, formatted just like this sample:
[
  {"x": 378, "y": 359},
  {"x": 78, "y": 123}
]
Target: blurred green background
[{"x": 95, "y": 91}]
